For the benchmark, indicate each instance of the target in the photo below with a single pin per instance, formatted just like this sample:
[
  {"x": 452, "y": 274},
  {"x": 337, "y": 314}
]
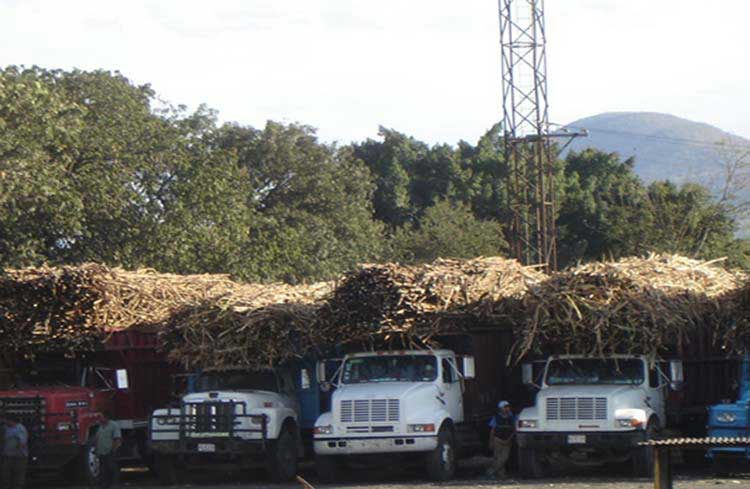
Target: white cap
[{"x": 502, "y": 404}]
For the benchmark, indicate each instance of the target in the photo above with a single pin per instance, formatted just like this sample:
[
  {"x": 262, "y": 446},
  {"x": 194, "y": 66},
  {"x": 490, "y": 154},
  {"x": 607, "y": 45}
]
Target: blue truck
[{"x": 731, "y": 420}]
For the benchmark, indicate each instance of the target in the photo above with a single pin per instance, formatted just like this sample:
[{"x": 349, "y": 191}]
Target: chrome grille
[
  {"x": 365, "y": 410},
  {"x": 213, "y": 417},
  {"x": 572, "y": 408}
]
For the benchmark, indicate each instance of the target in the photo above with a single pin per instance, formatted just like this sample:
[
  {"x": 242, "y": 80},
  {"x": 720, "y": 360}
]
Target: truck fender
[
  {"x": 643, "y": 414},
  {"x": 278, "y": 419},
  {"x": 425, "y": 416}
]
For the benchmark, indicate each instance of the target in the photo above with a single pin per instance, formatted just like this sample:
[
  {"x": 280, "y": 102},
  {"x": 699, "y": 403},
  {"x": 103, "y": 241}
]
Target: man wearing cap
[
  {"x": 15, "y": 453},
  {"x": 503, "y": 428}
]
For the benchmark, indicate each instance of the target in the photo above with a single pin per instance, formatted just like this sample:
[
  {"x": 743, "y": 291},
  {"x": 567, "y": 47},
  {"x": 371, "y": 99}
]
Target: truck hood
[
  {"x": 587, "y": 390},
  {"x": 381, "y": 390},
  {"x": 251, "y": 398}
]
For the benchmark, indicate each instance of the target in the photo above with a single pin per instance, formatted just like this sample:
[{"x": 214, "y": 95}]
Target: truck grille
[
  {"x": 584, "y": 408},
  {"x": 369, "y": 410},
  {"x": 212, "y": 417}
]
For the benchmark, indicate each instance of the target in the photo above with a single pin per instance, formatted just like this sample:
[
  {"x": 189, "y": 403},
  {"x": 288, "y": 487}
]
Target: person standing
[
  {"x": 502, "y": 430},
  {"x": 15, "y": 453},
  {"x": 106, "y": 442}
]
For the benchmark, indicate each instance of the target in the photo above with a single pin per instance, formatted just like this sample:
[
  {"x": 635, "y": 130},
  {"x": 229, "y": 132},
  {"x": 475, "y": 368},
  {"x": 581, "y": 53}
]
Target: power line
[{"x": 674, "y": 140}]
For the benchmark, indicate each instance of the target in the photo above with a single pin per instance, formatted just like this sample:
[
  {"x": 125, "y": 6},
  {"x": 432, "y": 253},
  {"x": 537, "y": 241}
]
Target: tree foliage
[{"x": 95, "y": 168}]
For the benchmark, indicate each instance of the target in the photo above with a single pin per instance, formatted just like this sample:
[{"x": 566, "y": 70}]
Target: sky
[{"x": 428, "y": 68}]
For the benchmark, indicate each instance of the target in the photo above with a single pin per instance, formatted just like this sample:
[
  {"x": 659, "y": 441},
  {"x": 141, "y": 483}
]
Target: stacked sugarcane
[
  {"x": 644, "y": 305},
  {"x": 392, "y": 301},
  {"x": 71, "y": 309},
  {"x": 258, "y": 329}
]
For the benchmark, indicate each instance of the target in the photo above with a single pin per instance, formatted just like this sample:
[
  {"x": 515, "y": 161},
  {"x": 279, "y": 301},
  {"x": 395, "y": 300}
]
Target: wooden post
[{"x": 662, "y": 468}]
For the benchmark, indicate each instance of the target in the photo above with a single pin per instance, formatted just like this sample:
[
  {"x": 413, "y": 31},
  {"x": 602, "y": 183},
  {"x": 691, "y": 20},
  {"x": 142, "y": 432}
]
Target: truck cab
[
  {"x": 244, "y": 417},
  {"x": 731, "y": 420},
  {"x": 594, "y": 410},
  {"x": 60, "y": 401},
  {"x": 394, "y": 403}
]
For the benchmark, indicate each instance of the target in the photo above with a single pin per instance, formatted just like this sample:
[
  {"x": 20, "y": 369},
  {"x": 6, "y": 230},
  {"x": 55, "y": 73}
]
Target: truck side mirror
[
  {"x": 676, "y": 374},
  {"x": 527, "y": 374},
  {"x": 469, "y": 369},
  {"x": 122, "y": 378},
  {"x": 320, "y": 371},
  {"x": 304, "y": 379}
]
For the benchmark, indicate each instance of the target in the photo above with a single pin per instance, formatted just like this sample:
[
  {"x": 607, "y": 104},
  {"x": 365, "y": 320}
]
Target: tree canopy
[{"x": 95, "y": 168}]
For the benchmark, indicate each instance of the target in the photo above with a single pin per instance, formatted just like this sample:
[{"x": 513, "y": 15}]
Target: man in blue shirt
[
  {"x": 503, "y": 429},
  {"x": 15, "y": 453}
]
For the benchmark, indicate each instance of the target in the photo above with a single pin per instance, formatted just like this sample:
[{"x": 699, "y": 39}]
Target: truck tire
[
  {"x": 86, "y": 468},
  {"x": 643, "y": 457},
  {"x": 327, "y": 468},
  {"x": 166, "y": 469},
  {"x": 530, "y": 464},
  {"x": 441, "y": 462},
  {"x": 282, "y": 462},
  {"x": 720, "y": 466}
]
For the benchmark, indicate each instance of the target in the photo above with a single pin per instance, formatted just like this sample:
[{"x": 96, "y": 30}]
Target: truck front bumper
[
  {"x": 581, "y": 439},
  {"x": 210, "y": 447},
  {"x": 381, "y": 444}
]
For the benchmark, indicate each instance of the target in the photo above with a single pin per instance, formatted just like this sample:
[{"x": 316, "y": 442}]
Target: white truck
[
  {"x": 395, "y": 405},
  {"x": 592, "y": 411},
  {"x": 246, "y": 418}
]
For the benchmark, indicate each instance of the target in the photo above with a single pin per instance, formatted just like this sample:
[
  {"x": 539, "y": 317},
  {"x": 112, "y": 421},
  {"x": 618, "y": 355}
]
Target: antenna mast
[{"x": 527, "y": 136}]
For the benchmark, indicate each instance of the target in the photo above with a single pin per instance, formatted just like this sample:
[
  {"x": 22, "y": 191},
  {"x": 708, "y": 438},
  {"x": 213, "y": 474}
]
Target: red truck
[{"x": 60, "y": 398}]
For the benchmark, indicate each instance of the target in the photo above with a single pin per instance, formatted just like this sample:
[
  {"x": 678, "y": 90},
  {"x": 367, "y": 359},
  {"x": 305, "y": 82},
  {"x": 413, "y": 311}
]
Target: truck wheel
[
  {"x": 643, "y": 457},
  {"x": 530, "y": 464},
  {"x": 327, "y": 468},
  {"x": 86, "y": 466},
  {"x": 441, "y": 462},
  {"x": 719, "y": 466},
  {"x": 166, "y": 469},
  {"x": 282, "y": 464}
]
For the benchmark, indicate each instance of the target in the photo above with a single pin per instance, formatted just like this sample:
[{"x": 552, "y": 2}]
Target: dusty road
[{"x": 394, "y": 478}]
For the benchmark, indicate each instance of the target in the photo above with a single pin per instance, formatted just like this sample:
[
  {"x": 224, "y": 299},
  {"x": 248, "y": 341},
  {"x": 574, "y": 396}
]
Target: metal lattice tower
[
  {"x": 526, "y": 127},
  {"x": 525, "y": 124}
]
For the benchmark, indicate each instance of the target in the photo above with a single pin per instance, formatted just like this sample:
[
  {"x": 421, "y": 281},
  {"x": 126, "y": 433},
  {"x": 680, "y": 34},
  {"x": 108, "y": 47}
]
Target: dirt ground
[{"x": 468, "y": 476}]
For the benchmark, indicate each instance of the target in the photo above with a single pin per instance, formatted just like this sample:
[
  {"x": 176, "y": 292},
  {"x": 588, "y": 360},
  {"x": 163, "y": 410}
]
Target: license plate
[
  {"x": 206, "y": 447},
  {"x": 576, "y": 439}
]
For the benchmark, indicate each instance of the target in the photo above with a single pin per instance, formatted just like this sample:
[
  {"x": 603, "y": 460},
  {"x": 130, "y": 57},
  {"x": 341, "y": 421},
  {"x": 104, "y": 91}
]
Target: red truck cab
[{"x": 60, "y": 397}]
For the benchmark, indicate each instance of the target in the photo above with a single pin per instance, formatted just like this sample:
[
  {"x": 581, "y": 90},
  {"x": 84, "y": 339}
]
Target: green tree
[
  {"x": 604, "y": 211},
  {"x": 447, "y": 230},
  {"x": 313, "y": 201}
]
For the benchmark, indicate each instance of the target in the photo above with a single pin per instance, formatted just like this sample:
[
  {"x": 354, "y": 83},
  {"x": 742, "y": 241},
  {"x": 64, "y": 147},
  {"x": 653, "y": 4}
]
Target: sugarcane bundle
[
  {"x": 643, "y": 305},
  {"x": 392, "y": 299},
  {"x": 73, "y": 308},
  {"x": 259, "y": 329}
]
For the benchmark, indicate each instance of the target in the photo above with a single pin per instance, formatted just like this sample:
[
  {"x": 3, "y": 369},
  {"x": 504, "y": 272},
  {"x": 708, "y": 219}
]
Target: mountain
[{"x": 664, "y": 146}]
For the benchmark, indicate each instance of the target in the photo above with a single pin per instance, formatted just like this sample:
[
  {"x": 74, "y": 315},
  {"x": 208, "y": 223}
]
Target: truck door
[{"x": 450, "y": 389}]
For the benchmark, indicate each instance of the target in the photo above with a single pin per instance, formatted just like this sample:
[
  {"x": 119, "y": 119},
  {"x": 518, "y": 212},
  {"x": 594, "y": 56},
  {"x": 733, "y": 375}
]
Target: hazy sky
[{"x": 429, "y": 68}]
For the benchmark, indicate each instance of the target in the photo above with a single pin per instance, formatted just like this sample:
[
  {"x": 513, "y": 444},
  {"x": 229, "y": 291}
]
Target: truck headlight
[
  {"x": 726, "y": 418},
  {"x": 167, "y": 420},
  {"x": 527, "y": 423},
  {"x": 629, "y": 423},
  {"x": 421, "y": 428},
  {"x": 256, "y": 420},
  {"x": 64, "y": 427},
  {"x": 323, "y": 430}
]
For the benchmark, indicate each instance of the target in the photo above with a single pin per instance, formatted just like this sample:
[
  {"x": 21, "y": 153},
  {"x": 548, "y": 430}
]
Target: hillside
[{"x": 664, "y": 146}]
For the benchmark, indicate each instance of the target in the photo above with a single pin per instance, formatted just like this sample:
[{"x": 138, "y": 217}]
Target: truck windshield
[
  {"x": 48, "y": 371},
  {"x": 593, "y": 371},
  {"x": 390, "y": 368},
  {"x": 237, "y": 380}
]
